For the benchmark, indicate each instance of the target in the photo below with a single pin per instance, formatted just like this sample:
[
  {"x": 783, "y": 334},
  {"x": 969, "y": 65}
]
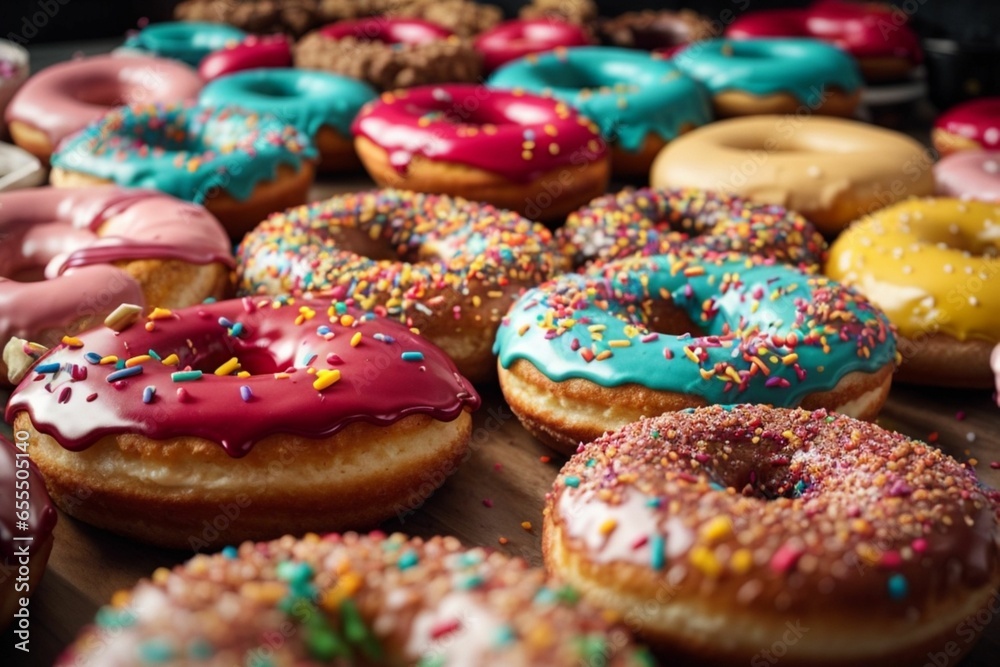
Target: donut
[
  {"x": 930, "y": 264},
  {"x": 653, "y": 30},
  {"x": 884, "y": 49},
  {"x": 972, "y": 125},
  {"x": 187, "y": 41},
  {"x": 390, "y": 53},
  {"x": 254, "y": 52},
  {"x": 582, "y": 354},
  {"x": 640, "y": 101},
  {"x": 240, "y": 165},
  {"x": 522, "y": 37},
  {"x": 746, "y": 522},
  {"x": 530, "y": 154},
  {"x": 285, "y": 416},
  {"x": 26, "y": 523},
  {"x": 580, "y": 12},
  {"x": 650, "y": 222},
  {"x": 995, "y": 367},
  {"x": 969, "y": 175},
  {"x": 19, "y": 168},
  {"x": 66, "y": 97},
  {"x": 774, "y": 76},
  {"x": 319, "y": 104},
  {"x": 354, "y": 599},
  {"x": 830, "y": 170},
  {"x": 72, "y": 256},
  {"x": 448, "y": 267}
]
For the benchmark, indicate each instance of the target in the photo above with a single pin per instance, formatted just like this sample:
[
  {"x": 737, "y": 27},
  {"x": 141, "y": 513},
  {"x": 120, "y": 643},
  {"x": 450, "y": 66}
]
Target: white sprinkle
[
  {"x": 948, "y": 268},
  {"x": 973, "y": 301},
  {"x": 953, "y": 228},
  {"x": 970, "y": 436},
  {"x": 814, "y": 172},
  {"x": 907, "y": 269}
]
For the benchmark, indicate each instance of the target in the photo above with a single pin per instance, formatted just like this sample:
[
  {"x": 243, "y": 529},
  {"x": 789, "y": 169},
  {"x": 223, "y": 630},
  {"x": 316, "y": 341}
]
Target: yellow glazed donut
[
  {"x": 931, "y": 265},
  {"x": 830, "y": 170}
]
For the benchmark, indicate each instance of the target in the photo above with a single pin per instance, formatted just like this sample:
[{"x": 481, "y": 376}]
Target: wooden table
[{"x": 508, "y": 467}]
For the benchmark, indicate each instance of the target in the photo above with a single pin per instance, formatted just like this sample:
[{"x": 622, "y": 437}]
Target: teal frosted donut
[
  {"x": 187, "y": 41},
  {"x": 319, "y": 104},
  {"x": 582, "y": 354},
  {"x": 756, "y": 76},
  {"x": 639, "y": 100},
  {"x": 240, "y": 165}
]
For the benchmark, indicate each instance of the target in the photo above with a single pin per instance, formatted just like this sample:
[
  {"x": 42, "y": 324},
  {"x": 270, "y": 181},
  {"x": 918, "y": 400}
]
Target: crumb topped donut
[
  {"x": 752, "y": 517},
  {"x": 449, "y": 267},
  {"x": 297, "y": 414},
  {"x": 354, "y": 600},
  {"x": 582, "y": 354}
]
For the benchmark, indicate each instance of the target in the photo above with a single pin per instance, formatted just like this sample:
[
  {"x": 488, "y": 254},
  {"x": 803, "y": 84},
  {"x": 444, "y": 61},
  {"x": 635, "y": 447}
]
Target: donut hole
[
  {"x": 208, "y": 354},
  {"x": 102, "y": 93},
  {"x": 755, "y": 470}
]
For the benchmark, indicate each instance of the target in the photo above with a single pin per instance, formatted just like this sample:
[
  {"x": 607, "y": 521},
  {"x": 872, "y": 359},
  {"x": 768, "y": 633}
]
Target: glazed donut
[
  {"x": 355, "y": 600},
  {"x": 969, "y": 175},
  {"x": 640, "y": 101},
  {"x": 654, "y": 30},
  {"x": 24, "y": 547},
  {"x": 298, "y": 415},
  {"x": 64, "y": 98},
  {"x": 652, "y": 222},
  {"x": 319, "y": 104},
  {"x": 240, "y": 165},
  {"x": 752, "y": 517},
  {"x": 97, "y": 248},
  {"x": 390, "y": 53},
  {"x": 830, "y": 170},
  {"x": 582, "y": 354},
  {"x": 931, "y": 265},
  {"x": 254, "y": 52},
  {"x": 530, "y": 154},
  {"x": 455, "y": 267},
  {"x": 870, "y": 32},
  {"x": 187, "y": 41},
  {"x": 522, "y": 37},
  {"x": 774, "y": 76},
  {"x": 972, "y": 125}
]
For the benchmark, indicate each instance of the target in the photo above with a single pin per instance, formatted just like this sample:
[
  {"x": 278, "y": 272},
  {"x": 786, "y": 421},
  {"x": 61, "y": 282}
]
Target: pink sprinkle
[
  {"x": 182, "y": 395},
  {"x": 960, "y": 415},
  {"x": 650, "y": 337},
  {"x": 487, "y": 502},
  {"x": 891, "y": 559},
  {"x": 640, "y": 542},
  {"x": 919, "y": 545},
  {"x": 78, "y": 373},
  {"x": 785, "y": 558},
  {"x": 445, "y": 628},
  {"x": 995, "y": 465},
  {"x": 334, "y": 359},
  {"x": 65, "y": 394},
  {"x": 91, "y": 398},
  {"x": 667, "y": 354},
  {"x": 498, "y": 467}
]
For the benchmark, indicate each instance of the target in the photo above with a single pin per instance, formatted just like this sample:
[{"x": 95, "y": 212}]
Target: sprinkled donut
[
  {"x": 241, "y": 165},
  {"x": 972, "y": 125},
  {"x": 650, "y": 222},
  {"x": 751, "y": 520},
  {"x": 531, "y": 154},
  {"x": 582, "y": 354},
  {"x": 931, "y": 264},
  {"x": 284, "y": 415},
  {"x": 353, "y": 600},
  {"x": 460, "y": 264}
]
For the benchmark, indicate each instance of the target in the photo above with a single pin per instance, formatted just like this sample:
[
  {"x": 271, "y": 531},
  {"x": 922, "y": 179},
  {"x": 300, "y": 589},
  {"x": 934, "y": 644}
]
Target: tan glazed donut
[{"x": 830, "y": 170}]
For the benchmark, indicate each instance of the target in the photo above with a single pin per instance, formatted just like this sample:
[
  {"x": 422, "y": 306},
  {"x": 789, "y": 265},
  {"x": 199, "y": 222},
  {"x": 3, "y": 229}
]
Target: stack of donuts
[{"x": 285, "y": 245}]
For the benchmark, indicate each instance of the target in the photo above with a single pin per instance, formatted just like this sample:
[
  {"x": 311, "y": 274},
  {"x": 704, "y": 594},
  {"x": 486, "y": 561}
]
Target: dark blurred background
[{"x": 61, "y": 20}]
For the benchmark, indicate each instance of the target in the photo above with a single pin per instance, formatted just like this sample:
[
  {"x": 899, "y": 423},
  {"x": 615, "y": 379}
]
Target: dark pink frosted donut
[
  {"x": 518, "y": 38},
  {"x": 254, "y": 52}
]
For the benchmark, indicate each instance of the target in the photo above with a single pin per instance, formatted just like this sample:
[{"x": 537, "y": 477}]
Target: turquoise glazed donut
[
  {"x": 639, "y": 100},
  {"x": 216, "y": 157},
  {"x": 756, "y": 76},
  {"x": 606, "y": 342},
  {"x": 187, "y": 41},
  {"x": 321, "y": 105}
]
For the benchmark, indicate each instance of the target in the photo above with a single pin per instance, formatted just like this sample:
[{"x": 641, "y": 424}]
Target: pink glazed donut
[
  {"x": 65, "y": 98},
  {"x": 972, "y": 125},
  {"x": 71, "y": 256},
  {"x": 969, "y": 175},
  {"x": 523, "y": 37},
  {"x": 254, "y": 52}
]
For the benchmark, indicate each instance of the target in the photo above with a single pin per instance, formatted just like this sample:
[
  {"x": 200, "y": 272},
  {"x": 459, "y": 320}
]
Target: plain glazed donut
[
  {"x": 97, "y": 248},
  {"x": 64, "y": 98},
  {"x": 25, "y": 547},
  {"x": 293, "y": 415},
  {"x": 830, "y": 170},
  {"x": 523, "y": 37},
  {"x": 931, "y": 265},
  {"x": 320, "y": 105},
  {"x": 254, "y": 52},
  {"x": 354, "y": 600},
  {"x": 652, "y": 222},
  {"x": 530, "y": 154},
  {"x": 448, "y": 267},
  {"x": 186, "y": 41},
  {"x": 774, "y": 76},
  {"x": 582, "y": 354},
  {"x": 754, "y": 519},
  {"x": 969, "y": 175},
  {"x": 639, "y": 100},
  {"x": 972, "y": 125},
  {"x": 240, "y": 165}
]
